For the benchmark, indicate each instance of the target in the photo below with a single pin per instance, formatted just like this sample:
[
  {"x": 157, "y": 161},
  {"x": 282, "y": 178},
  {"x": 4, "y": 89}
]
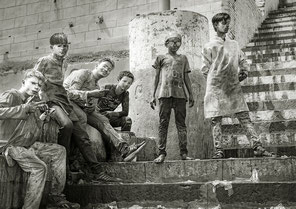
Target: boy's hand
[
  {"x": 191, "y": 101},
  {"x": 111, "y": 114},
  {"x": 33, "y": 106},
  {"x": 97, "y": 93},
  {"x": 153, "y": 103}
]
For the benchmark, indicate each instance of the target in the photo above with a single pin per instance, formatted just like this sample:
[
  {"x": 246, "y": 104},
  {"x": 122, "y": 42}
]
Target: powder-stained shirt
[
  {"x": 172, "y": 69},
  {"x": 110, "y": 101},
  {"x": 53, "y": 70},
  {"x": 222, "y": 62},
  {"x": 77, "y": 84},
  {"x": 18, "y": 127}
]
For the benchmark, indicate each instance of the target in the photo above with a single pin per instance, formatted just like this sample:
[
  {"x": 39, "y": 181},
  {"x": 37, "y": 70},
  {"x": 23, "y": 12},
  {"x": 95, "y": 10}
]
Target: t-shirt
[
  {"x": 77, "y": 84},
  {"x": 110, "y": 101},
  {"x": 172, "y": 69},
  {"x": 52, "y": 69}
]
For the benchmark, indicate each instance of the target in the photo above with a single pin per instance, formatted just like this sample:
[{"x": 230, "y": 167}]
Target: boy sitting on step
[
  {"x": 174, "y": 70},
  {"x": 115, "y": 95},
  {"x": 20, "y": 125},
  {"x": 224, "y": 66}
]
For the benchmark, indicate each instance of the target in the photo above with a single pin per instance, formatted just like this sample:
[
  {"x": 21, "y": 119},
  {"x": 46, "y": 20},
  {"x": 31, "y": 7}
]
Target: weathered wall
[{"x": 26, "y": 25}]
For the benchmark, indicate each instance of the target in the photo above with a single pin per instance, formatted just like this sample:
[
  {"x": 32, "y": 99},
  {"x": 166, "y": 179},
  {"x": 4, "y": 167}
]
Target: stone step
[
  {"x": 269, "y": 87},
  {"x": 245, "y": 151},
  {"x": 281, "y": 143},
  {"x": 273, "y": 79},
  {"x": 276, "y": 28},
  {"x": 279, "y": 19},
  {"x": 272, "y": 105},
  {"x": 268, "y": 169},
  {"x": 272, "y": 41},
  {"x": 284, "y": 56},
  {"x": 272, "y": 72},
  {"x": 280, "y": 15},
  {"x": 290, "y": 4},
  {"x": 226, "y": 193},
  {"x": 272, "y": 65},
  {"x": 275, "y": 24},
  {"x": 270, "y": 52},
  {"x": 286, "y": 127},
  {"x": 277, "y": 38},
  {"x": 270, "y": 96},
  {"x": 273, "y": 36},
  {"x": 266, "y": 116},
  {"x": 282, "y": 10},
  {"x": 268, "y": 47},
  {"x": 275, "y": 33}
]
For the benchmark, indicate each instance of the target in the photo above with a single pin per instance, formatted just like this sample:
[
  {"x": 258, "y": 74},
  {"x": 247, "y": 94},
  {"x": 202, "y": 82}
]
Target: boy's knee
[{"x": 68, "y": 125}]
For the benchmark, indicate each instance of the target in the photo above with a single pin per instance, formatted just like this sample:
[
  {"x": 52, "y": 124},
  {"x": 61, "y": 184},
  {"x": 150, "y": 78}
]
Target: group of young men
[{"x": 77, "y": 100}]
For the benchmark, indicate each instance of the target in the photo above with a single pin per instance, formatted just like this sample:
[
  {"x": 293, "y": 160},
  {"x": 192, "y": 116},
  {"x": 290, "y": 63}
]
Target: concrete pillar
[{"x": 147, "y": 34}]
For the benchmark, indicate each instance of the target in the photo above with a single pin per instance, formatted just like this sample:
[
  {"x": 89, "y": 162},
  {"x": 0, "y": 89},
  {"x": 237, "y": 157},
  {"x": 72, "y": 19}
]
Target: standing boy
[
  {"x": 174, "y": 69},
  {"x": 82, "y": 90},
  {"x": 113, "y": 97},
  {"x": 224, "y": 66},
  {"x": 20, "y": 126},
  {"x": 51, "y": 67}
]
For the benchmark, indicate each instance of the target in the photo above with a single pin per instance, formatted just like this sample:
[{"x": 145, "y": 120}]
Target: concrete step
[
  {"x": 269, "y": 87},
  {"x": 275, "y": 33},
  {"x": 273, "y": 79},
  {"x": 272, "y": 65},
  {"x": 272, "y": 36},
  {"x": 268, "y": 47},
  {"x": 280, "y": 143},
  {"x": 283, "y": 10},
  {"x": 268, "y": 96},
  {"x": 271, "y": 57},
  {"x": 272, "y": 41},
  {"x": 236, "y": 192},
  {"x": 270, "y": 52},
  {"x": 272, "y": 72},
  {"x": 279, "y": 19},
  {"x": 267, "y": 116},
  {"x": 287, "y": 127},
  {"x": 280, "y": 15},
  {"x": 276, "y": 28},
  {"x": 272, "y": 105},
  {"x": 268, "y": 169},
  {"x": 275, "y": 24}
]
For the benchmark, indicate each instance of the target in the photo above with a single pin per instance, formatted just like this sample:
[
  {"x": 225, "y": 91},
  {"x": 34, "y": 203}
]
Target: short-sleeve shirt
[
  {"x": 78, "y": 83},
  {"x": 172, "y": 69},
  {"x": 52, "y": 69}
]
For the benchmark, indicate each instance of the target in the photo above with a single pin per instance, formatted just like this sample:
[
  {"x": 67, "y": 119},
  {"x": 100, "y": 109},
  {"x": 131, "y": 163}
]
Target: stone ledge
[
  {"x": 269, "y": 169},
  {"x": 243, "y": 192}
]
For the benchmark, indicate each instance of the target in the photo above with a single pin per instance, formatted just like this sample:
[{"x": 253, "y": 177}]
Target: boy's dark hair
[
  {"x": 107, "y": 60},
  {"x": 34, "y": 73},
  {"x": 125, "y": 73},
  {"x": 220, "y": 17},
  {"x": 58, "y": 38}
]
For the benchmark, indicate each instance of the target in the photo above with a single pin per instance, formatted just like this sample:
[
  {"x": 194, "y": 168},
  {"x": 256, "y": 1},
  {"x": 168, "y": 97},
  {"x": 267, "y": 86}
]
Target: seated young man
[
  {"x": 20, "y": 125},
  {"x": 116, "y": 95},
  {"x": 83, "y": 91}
]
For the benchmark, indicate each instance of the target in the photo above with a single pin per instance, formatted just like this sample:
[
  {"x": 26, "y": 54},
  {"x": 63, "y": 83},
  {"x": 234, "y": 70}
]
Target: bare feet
[{"x": 159, "y": 159}]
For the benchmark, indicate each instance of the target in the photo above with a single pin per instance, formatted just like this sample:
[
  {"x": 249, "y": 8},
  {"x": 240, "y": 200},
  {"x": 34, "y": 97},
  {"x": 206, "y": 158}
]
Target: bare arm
[
  {"x": 188, "y": 82},
  {"x": 206, "y": 62}
]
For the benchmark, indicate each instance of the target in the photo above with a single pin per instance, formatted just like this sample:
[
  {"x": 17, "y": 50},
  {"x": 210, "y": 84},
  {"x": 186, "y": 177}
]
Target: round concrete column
[{"x": 147, "y": 34}]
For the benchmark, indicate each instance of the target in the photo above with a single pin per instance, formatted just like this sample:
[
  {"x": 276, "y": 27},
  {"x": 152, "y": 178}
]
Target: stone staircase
[
  {"x": 243, "y": 182},
  {"x": 270, "y": 88}
]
